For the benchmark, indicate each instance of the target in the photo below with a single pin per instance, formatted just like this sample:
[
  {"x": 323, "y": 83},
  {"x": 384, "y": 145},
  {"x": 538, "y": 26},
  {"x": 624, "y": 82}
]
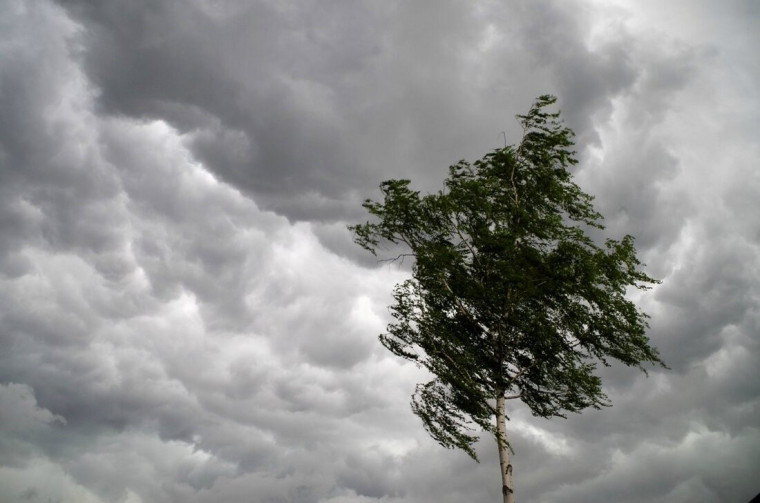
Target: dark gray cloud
[
  {"x": 302, "y": 107},
  {"x": 183, "y": 316}
]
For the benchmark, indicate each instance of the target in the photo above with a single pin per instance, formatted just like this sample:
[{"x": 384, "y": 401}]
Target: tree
[{"x": 510, "y": 297}]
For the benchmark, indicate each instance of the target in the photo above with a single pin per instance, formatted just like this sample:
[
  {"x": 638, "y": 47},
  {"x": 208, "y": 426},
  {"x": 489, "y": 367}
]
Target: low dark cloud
[{"x": 301, "y": 107}]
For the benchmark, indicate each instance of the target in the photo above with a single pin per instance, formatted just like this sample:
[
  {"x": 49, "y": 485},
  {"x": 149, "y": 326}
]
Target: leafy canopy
[{"x": 509, "y": 296}]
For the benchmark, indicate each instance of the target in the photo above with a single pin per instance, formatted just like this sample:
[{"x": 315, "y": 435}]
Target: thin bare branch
[{"x": 400, "y": 256}]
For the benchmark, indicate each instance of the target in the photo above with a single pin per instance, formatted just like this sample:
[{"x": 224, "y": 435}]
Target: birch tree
[{"x": 509, "y": 297}]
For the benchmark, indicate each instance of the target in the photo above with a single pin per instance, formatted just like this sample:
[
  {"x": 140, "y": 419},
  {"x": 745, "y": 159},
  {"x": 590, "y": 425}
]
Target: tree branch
[
  {"x": 518, "y": 153},
  {"x": 465, "y": 241},
  {"x": 462, "y": 308},
  {"x": 400, "y": 256}
]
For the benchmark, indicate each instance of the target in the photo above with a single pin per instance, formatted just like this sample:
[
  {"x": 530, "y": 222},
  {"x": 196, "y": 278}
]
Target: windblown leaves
[{"x": 509, "y": 295}]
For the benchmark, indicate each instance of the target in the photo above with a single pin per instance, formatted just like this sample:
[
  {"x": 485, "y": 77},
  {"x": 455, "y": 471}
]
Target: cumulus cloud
[{"x": 183, "y": 315}]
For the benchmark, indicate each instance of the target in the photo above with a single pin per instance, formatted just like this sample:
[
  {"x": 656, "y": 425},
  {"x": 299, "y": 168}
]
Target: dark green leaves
[{"x": 508, "y": 295}]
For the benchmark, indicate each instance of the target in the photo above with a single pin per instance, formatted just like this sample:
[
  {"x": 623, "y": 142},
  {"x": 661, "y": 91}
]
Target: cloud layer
[{"x": 183, "y": 316}]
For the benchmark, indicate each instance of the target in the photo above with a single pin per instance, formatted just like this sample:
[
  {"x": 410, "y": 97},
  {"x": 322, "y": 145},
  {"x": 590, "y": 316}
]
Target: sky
[{"x": 184, "y": 316}]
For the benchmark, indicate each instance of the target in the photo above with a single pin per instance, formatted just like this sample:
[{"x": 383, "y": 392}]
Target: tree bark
[{"x": 507, "y": 489}]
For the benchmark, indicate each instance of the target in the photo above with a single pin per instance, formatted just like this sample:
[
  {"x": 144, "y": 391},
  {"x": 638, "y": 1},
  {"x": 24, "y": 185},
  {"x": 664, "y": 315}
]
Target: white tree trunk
[{"x": 507, "y": 489}]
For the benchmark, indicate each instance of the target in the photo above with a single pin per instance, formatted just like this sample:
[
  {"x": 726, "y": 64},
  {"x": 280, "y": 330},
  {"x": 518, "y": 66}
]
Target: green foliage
[{"x": 509, "y": 296}]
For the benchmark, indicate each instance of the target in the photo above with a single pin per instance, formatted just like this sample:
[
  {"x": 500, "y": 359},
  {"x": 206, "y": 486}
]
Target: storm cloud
[{"x": 183, "y": 315}]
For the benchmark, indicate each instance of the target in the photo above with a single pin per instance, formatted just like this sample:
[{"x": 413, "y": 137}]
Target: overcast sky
[{"x": 183, "y": 316}]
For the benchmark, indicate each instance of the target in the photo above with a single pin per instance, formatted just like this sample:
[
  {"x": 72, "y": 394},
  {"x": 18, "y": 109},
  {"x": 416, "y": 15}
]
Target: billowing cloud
[{"x": 183, "y": 316}]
